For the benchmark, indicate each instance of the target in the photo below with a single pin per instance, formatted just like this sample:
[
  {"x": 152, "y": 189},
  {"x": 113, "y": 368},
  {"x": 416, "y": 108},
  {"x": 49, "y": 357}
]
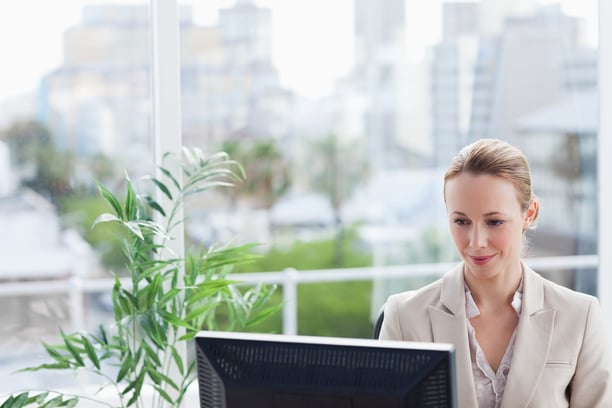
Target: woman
[{"x": 521, "y": 340}]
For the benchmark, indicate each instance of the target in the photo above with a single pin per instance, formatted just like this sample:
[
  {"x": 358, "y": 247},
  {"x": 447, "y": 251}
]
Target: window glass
[
  {"x": 74, "y": 108},
  {"x": 345, "y": 115}
]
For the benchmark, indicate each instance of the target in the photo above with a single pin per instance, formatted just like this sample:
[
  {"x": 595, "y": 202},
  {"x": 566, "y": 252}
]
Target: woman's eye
[
  {"x": 460, "y": 221},
  {"x": 495, "y": 222}
]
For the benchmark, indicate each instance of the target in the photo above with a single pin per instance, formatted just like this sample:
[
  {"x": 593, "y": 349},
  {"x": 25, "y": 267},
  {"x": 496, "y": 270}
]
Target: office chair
[{"x": 379, "y": 321}]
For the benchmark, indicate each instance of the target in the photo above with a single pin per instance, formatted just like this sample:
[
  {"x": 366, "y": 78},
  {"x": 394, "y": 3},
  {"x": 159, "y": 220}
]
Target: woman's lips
[{"x": 481, "y": 260}]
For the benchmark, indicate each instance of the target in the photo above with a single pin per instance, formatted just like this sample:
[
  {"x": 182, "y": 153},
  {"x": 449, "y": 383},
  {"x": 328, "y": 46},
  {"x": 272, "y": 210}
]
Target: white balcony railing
[{"x": 289, "y": 279}]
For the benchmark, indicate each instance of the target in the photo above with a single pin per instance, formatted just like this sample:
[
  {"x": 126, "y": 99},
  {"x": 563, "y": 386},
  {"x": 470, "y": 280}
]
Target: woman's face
[{"x": 487, "y": 223}]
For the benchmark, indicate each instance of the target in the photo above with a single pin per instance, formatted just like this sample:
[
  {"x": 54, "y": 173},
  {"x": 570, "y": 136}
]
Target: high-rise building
[
  {"x": 98, "y": 100},
  {"x": 377, "y": 26},
  {"x": 246, "y": 31},
  {"x": 520, "y": 71},
  {"x": 379, "y": 49},
  {"x": 452, "y": 80}
]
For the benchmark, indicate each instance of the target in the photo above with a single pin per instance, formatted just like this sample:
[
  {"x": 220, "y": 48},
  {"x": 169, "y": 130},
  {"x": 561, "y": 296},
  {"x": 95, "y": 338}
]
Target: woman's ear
[{"x": 530, "y": 214}]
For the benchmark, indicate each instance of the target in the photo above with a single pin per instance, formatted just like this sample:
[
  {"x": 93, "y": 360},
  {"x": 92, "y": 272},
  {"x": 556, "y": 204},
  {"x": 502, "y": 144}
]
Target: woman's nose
[{"x": 478, "y": 237}]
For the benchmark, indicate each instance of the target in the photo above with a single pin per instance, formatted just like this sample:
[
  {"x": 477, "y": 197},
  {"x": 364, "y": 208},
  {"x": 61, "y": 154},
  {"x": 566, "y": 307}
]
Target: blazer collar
[
  {"x": 533, "y": 291},
  {"x": 448, "y": 324},
  {"x": 532, "y": 346},
  {"x": 531, "y": 349},
  {"x": 452, "y": 294}
]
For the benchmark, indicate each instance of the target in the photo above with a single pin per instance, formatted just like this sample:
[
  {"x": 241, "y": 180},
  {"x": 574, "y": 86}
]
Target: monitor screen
[{"x": 245, "y": 370}]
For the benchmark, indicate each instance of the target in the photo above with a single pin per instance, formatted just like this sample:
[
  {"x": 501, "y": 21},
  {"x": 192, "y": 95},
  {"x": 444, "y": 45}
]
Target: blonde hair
[{"x": 495, "y": 158}]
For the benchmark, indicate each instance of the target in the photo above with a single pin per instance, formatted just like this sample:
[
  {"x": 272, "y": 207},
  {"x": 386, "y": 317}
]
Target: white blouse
[{"x": 489, "y": 385}]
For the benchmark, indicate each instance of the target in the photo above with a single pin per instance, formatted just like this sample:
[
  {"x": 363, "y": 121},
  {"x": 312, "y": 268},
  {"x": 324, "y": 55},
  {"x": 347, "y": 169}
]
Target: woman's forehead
[{"x": 480, "y": 192}]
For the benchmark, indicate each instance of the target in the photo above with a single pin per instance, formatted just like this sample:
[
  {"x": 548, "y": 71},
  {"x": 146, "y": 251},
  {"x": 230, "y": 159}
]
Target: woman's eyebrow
[{"x": 489, "y": 214}]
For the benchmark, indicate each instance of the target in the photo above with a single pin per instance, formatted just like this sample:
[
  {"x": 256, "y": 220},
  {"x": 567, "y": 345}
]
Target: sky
[{"x": 31, "y": 37}]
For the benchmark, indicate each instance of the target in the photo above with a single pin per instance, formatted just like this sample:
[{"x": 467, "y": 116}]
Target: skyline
[{"x": 39, "y": 48}]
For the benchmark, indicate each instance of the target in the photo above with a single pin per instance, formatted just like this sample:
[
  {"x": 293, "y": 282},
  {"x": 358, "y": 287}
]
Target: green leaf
[
  {"x": 209, "y": 288},
  {"x": 130, "y": 201},
  {"x": 91, "y": 352},
  {"x": 74, "y": 351},
  {"x": 164, "y": 394},
  {"x": 167, "y": 297},
  {"x": 124, "y": 305},
  {"x": 71, "y": 403},
  {"x": 152, "y": 290},
  {"x": 154, "y": 205},
  {"x": 48, "y": 366},
  {"x": 200, "y": 311},
  {"x": 155, "y": 328},
  {"x": 264, "y": 314},
  {"x": 24, "y": 399},
  {"x": 117, "y": 303},
  {"x": 16, "y": 402},
  {"x": 54, "y": 402},
  {"x": 189, "y": 335},
  {"x": 171, "y": 177},
  {"x": 111, "y": 199},
  {"x": 172, "y": 319},
  {"x": 136, "y": 386},
  {"x": 105, "y": 217},
  {"x": 127, "y": 366},
  {"x": 40, "y": 398},
  {"x": 151, "y": 354},
  {"x": 54, "y": 353},
  {"x": 134, "y": 227},
  {"x": 103, "y": 339},
  {"x": 161, "y": 377},
  {"x": 178, "y": 360},
  {"x": 163, "y": 188}
]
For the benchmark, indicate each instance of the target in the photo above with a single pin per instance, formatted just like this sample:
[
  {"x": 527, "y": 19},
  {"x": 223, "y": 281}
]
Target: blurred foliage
[
  {"x": 336, "y": 167},
  {"x": 339, "y": 309},
  {"x": 267, "y": 171},
  {"x": 79, "y": 212},
  {"x": 43, "y": 167},
  {"x": 318, "y": 254},
  {"x": 26, "y": 139}
]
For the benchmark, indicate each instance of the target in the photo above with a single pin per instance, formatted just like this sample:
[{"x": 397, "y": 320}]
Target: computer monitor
[{"x": 245, "y": 370}]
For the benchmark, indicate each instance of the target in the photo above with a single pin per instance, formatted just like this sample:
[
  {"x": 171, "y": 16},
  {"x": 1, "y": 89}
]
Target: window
[
  {"x": 365, "y": 91},
  {"x": 75, "y": 107}
]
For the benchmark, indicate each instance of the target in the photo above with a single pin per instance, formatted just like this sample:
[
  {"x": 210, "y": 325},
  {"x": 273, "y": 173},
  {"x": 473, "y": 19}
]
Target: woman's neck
[{"x": 495, "y": 292}]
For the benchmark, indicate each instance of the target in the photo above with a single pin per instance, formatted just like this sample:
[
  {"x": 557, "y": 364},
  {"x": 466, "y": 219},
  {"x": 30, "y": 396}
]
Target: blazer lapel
[
  {"x": 535, "y": 331},
  {"x": 448, "y": 326}
]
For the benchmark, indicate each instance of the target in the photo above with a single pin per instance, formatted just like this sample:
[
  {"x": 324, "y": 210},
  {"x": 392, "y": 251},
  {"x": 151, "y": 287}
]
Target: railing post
[
  {"x": 77, "y": 315},
  {"x": 290, "y": 301}
]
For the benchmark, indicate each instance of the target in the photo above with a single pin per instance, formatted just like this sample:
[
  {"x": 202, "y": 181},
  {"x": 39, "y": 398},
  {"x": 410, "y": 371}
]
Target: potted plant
[{"x": 165, "y": 299}]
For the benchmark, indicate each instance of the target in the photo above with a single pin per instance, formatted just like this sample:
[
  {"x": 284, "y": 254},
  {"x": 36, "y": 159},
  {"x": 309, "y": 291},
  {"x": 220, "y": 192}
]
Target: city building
[
  {"x": 520, "y": 70},
  {"x": 97, "y": 101},
  {"x": 379, "y": 54},
  {"x": 452, "y": 80}
]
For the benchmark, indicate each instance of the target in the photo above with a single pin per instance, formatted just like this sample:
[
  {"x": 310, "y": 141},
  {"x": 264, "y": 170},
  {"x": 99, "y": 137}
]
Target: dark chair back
[{"x": 378, "y": 323}]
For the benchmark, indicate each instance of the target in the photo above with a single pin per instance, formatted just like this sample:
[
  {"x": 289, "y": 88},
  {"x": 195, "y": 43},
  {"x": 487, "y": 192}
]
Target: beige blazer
[{"x": 561, "y": 355}]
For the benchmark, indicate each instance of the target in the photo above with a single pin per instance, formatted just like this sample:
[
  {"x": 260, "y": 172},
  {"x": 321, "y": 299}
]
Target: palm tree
[
  {"x": 336, "y": 168},
  {"x": 267, "y": 171}
]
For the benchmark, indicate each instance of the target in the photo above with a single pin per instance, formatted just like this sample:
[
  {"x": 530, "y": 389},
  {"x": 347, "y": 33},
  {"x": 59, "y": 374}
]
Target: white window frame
[
  {"x": 604, "y": 164},
  {"x": 166, "y": 111}
]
